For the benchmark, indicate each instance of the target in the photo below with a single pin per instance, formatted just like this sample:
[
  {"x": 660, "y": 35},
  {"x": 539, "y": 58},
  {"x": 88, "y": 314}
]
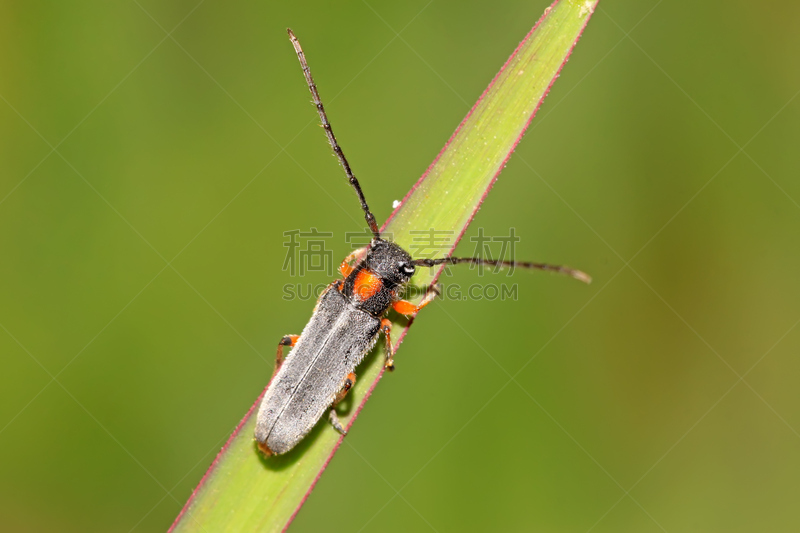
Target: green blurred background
[{"x": 662, "y": 163}]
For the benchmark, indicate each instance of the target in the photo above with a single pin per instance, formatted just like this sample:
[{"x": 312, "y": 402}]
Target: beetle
[{"x": 348, "y": 319}]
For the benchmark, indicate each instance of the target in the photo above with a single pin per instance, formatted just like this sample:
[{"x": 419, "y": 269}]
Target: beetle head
[{"x": 390, "y": 262}]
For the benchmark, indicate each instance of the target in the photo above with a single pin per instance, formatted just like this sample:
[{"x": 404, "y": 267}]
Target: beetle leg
[
  {"x": 407, "y": 308},
  {"x": 346, "y": 268},
  {"x": 287, "y": 340},
  {"x": 348, "y": 265},
  {"x": 386, "y": 328},
  {"x": 349, "y": 381},
  {"x": 334, "y": 420}
]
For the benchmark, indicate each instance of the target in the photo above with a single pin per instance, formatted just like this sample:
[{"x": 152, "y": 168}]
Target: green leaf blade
[{"x": 243, "y": 491}]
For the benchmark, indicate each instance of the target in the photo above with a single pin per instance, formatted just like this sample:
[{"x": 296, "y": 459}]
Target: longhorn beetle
[{"x": 346, "y": 322}]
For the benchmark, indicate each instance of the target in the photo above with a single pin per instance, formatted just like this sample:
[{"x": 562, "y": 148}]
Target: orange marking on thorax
[{"x": 366, "y": 285}]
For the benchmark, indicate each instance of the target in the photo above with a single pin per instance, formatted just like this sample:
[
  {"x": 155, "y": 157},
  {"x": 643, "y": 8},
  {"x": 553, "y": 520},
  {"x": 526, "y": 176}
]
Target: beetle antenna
[
  {"x": 577, "y": 274},
  {"x": 373, "y": 226}
]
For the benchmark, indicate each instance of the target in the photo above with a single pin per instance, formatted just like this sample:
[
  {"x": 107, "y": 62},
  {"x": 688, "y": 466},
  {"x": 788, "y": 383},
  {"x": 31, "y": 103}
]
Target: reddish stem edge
[
  {"x": 436, "y": 276},
  {"x": 217, "y": 459}
]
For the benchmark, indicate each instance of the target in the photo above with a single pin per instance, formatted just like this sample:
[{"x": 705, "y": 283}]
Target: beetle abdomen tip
[{"x": 263, "y": 448}]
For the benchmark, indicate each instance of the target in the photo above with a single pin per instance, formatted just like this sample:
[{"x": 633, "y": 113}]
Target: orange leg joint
[
  {"x": 346, "y": 386},
  {"x": 346, "y": 268},
  {"x": 288, "y": 340},
  {"x": 348, "y": 265},
  {"x": 407, "y": 308}
]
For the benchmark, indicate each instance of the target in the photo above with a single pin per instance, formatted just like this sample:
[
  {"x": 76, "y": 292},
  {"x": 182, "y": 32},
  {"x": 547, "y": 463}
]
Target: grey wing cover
[{"x": 335, "y": 340}]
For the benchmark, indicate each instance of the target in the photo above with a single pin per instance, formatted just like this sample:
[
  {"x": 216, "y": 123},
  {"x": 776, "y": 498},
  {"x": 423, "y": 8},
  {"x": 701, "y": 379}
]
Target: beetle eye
[{"x": 407, "y": 269}]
